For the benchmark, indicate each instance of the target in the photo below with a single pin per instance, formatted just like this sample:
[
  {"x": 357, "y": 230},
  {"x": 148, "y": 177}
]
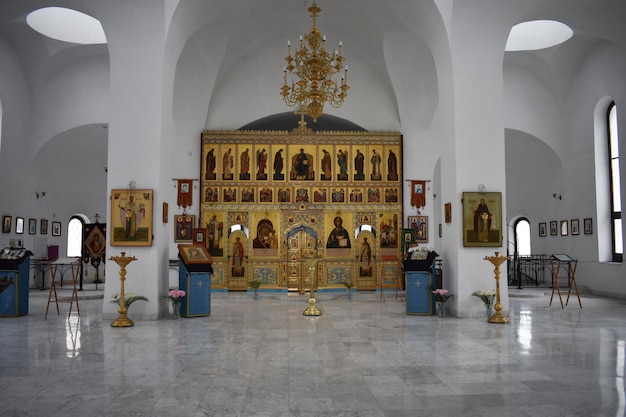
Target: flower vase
[
  {"x": 176, "y": 311},
  {"x": 489, "y": 310},
  {"x": 256, "y": 293},
  {"x": 441, "y": 308}
]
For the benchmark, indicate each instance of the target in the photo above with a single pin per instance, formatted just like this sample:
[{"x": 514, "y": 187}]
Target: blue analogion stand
[
  {"x": 14, "y": 270},
  {"x": 194, "y": 277},
  {"x": 420, "y": 276}
]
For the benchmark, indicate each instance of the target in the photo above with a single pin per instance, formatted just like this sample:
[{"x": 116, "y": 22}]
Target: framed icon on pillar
[
  {"x": 482, "y": 219},
  {"x": 131, "y": 217}
]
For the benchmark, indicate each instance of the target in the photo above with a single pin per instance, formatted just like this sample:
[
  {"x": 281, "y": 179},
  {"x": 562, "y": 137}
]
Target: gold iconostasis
[{"x": 273, "y": 201}]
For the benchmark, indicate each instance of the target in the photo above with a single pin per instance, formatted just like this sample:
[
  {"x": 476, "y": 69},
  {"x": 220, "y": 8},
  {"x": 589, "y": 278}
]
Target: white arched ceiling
[
  {"x": 250, "y": 73},
  {"x": 68, "y": 83},
  {"x": 531, "y": 104},
  {"x": 71, "y": 167},
  {"x": 77, "y": 95},
  {"x": 192, "y": 24},
  {"x": 246, "y": 73},
  {"x": 194, "y": 81},
  {"x": 414, "y": 77},
  {"x": 534, "y": 172}
]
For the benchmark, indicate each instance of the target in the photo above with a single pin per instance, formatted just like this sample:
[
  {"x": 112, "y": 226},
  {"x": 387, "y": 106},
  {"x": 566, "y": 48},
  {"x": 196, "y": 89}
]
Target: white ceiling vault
[{"x": 227, "y": 55}]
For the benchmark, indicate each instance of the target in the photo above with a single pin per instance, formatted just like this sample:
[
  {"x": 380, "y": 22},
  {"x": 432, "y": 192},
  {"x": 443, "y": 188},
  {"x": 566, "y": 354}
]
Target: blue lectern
[
  {"x": 194, "y": 277},
  {"x": 420, "y": 276},
  {"x": 14, "y": 270}
]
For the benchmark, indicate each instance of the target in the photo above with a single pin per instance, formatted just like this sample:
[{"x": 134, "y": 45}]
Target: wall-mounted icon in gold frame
[{"x": 131, "y": 217}]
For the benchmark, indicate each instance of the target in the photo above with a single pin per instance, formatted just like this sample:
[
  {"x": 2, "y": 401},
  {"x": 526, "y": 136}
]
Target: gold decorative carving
[{"x": 249, "y": 176}]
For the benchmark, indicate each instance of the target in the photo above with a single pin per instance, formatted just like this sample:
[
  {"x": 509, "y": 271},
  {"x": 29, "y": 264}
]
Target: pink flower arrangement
[
  {"x": 175, "y": 296},
  {"x": 442, "y": 295}
]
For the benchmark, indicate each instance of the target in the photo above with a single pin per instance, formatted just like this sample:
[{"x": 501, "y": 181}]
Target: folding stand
[
  {"x": 54, "y": 269},
  {"x": 560, "y": 264}
]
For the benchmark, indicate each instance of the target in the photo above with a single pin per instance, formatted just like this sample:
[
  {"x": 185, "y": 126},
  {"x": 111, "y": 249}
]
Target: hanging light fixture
[{"x": 314, "y": 69}]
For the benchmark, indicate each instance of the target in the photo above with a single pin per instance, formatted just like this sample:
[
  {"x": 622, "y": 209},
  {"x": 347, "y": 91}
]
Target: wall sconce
[
  {"x": 40, "y": 194},
  {"x": 556, "y": 196}
]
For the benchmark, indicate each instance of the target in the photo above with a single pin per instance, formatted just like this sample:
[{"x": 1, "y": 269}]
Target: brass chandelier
[{"x": 315, "y": 69}]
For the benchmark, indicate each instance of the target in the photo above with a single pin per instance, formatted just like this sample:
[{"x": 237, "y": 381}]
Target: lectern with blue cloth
[
  {"x": 420, "y": 275},
  {"x": 194, "y": 277},
  {"x": 14, "y": 270}
]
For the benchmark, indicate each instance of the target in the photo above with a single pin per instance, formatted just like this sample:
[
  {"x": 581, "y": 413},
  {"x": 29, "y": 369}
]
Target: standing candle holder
[
  {"x": 497, "y": 260},
  {"x": 122, "y": 320},
  {"x": 312, "y": 309}
]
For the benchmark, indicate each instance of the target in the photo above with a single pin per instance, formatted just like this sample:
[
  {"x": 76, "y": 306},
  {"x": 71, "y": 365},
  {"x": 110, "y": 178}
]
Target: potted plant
[
  {"x": 349, "y": 285},
  {"x": 175, "y": 297},
  {"x": 255, "y": 284},
  {"x": 441, "y": 297},
  {"x": 129, "y": 298},
  {"x": 488, "y": 298}
]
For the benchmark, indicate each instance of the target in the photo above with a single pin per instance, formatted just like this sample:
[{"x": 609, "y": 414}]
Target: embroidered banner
[
  {"x": 418, "y": 193},
  {"x": 185, "y": 197}
]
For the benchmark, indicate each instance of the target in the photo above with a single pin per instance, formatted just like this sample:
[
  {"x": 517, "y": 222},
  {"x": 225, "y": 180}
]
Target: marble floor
[{"x": 362, "y": 357}]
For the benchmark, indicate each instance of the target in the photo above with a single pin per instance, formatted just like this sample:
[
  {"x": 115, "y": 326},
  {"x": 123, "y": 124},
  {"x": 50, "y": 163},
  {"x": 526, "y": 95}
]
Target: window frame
[
  {"x": 615, "y": 215},
  {"x": 71, "y": 236}
]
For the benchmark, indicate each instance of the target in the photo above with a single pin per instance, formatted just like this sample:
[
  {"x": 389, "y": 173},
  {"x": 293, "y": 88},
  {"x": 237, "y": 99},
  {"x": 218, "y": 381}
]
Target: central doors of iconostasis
[{"x": 301, "y": 252}]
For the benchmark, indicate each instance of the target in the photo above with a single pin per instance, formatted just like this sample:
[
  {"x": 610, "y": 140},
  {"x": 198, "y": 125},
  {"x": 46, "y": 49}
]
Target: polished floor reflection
[{"x": 362, "y": 357}]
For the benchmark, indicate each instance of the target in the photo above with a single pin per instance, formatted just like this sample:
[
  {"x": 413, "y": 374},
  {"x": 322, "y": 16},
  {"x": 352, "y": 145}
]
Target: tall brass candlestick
[
  {"x": 312, "y": 309},
  {"x": 497, "y": 260},
  {"x": 122, "y": 261}
]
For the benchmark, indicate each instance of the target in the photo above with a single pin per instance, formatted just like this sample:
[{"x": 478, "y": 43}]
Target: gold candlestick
[
  {"x": 312, "y": 310},
  {"x": 497, "y": 260},
  {"x": 122, "y": 320}
]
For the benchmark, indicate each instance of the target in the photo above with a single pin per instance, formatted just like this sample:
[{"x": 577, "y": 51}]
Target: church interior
[{"x": 471, "y": 129}]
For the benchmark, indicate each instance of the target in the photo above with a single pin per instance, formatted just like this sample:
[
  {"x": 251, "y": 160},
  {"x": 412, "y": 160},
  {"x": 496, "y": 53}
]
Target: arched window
[
  {"x": 522, "y": 237},
  {"x": 617, "y": 242},
  {"x": 519, "y": 245},
  {"x": 75, "y": 236}
]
